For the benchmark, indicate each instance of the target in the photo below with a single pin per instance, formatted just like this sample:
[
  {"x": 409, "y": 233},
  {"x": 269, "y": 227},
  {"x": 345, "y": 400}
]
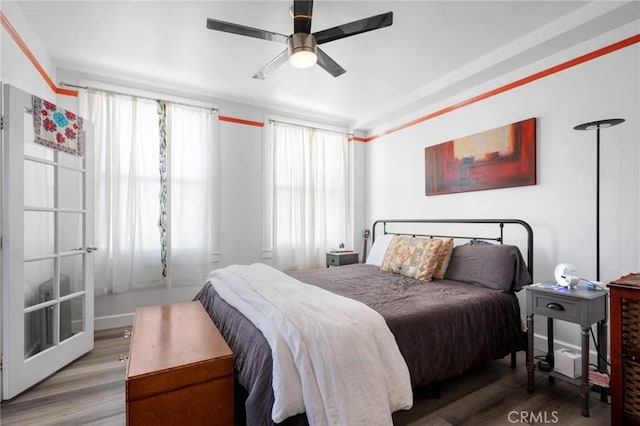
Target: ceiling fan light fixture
[
  {"x": 303, "y": 59},
  {"x": 302, "y": 50}
]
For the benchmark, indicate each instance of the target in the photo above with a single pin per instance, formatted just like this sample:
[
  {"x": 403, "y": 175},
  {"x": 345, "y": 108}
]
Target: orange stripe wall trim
[
  {"x": 533, "y": 77},
  {"x": 21, "y": 44},
  {"x": 240, "y": 121}
]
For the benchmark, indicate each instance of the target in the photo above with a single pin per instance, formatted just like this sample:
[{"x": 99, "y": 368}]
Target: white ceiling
[{"x": 433, "y": 48}]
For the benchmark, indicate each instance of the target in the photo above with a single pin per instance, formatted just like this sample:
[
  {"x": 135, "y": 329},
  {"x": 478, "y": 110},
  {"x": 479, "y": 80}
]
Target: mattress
[{"x": 442, "y": 328}]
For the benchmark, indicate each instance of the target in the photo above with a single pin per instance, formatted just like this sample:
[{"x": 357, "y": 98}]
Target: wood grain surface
[{"x": 91, "y": 391}]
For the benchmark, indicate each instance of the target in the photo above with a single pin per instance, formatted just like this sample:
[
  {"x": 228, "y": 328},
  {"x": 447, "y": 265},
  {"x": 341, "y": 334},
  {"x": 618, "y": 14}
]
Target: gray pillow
[{"x": 496, "y": 266}]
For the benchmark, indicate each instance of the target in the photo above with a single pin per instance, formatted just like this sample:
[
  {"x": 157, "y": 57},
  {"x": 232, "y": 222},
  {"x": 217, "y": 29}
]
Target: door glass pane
[
  {"x": 39, "y": 233},
  {"x": 70, "y": 189},
  {"x": 70, "y": 231},
  {"x": 38, "y": 331},
  {"x": 38, "y": 282},
  {"x": 66, "y": 159},
  {"x": 30, "y": 147},
  {"x": 71, "y": 317},
  {"x": 38, "y": 184},
  {"x": 71, "y": 274}
]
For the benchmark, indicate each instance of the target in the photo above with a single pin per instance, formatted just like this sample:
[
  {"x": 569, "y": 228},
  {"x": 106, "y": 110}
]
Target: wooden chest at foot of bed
[{"x": 180, "y": 368}]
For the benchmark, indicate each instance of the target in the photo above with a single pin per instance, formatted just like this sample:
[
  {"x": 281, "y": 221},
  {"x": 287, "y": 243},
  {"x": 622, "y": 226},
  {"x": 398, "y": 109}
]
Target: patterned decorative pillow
[
  {"x": 444, "y": 256},
  {"x": 412, "y": 257}
]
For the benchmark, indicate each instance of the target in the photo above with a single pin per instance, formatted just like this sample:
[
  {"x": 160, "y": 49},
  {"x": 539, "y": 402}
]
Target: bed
[{"x": 442, "y": 327}]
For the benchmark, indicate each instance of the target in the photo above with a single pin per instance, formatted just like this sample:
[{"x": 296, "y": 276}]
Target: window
[
  {"x": 154, "y": 164},
  {"x": 307, "y": 194}
]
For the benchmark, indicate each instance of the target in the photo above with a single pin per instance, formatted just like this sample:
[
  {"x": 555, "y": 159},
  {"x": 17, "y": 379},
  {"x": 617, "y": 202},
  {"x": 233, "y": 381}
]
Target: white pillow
[{"x": 378, "y": 250}]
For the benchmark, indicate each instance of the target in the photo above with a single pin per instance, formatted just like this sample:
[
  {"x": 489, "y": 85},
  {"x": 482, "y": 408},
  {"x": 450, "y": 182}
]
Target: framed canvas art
[{"x": 498, "y": 158}]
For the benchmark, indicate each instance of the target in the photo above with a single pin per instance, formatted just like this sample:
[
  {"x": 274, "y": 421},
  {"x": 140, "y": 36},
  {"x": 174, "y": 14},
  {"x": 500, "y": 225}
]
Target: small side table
[
  {"x": 580, "y": 306},
  {"x": 339, "y": 259}
]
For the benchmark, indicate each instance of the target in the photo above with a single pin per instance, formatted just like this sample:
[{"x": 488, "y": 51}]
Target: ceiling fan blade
[
  {"x": 228, "y": 27},
  {"x": 302, "y": 11},
  {"x": 328, "y": 64},
  {"x": 272, "y": 65},
  {"x": 355, "y": 27}
]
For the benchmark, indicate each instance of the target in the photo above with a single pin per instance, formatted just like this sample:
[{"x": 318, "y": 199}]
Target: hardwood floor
[
  {"x": 494, "y": 394},
  {"x": 91, "y": 391},
  {"x": 88, "y": 391}
]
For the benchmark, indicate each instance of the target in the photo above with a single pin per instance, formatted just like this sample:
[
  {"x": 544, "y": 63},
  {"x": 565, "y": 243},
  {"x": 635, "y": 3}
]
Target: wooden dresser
[
  {"x": 625, "y": 350},
  {"x": 180, "y": 368}
]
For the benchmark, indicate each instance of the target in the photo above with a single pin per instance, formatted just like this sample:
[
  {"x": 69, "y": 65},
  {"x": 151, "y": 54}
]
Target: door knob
[{"x": 91, "y": 249}]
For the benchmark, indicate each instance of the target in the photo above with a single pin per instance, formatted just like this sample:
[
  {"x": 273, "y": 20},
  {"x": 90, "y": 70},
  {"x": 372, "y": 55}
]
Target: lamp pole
[
  {"x": 598, "y": 202},
  {"x": 597, "y": 125}
]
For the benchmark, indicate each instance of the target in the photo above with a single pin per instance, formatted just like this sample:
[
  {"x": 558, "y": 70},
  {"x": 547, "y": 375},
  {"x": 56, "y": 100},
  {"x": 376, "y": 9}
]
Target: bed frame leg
[{"x": 513, "y": 360}]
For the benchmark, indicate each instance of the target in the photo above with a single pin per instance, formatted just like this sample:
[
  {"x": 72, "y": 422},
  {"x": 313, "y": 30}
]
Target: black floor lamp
[{"x": 597, "y": 125}]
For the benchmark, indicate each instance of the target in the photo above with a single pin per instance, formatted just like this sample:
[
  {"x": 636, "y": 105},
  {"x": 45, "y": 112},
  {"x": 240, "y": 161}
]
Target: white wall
[
  {"x": 561, "y": 207},
  {"x": 241, "y": 193}
]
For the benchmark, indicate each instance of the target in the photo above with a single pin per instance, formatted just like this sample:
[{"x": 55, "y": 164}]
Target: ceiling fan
[{"x": 303, "y": 50}]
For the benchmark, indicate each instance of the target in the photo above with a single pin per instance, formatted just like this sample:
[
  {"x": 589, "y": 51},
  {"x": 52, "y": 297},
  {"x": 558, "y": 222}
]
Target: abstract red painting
[{"x": 499, "y": 158}]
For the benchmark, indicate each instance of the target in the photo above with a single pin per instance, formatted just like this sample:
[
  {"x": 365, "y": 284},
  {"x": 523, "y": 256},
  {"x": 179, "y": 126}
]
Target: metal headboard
[{"x": 499, "y": 222}]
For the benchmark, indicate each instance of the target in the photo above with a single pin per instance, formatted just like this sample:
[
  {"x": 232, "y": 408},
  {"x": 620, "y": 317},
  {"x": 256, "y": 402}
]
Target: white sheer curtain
[
  {"x": 307, "y": 194},
  {"x": 126, "y": 200},
  {"x": 192, "y": 149},
  {"x": 127, "y": 188}
]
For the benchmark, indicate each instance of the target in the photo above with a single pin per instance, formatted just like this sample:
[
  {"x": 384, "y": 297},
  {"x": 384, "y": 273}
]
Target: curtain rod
[
  {"x": 62, "y": 83},
  {"x": 310, "y": 127}
]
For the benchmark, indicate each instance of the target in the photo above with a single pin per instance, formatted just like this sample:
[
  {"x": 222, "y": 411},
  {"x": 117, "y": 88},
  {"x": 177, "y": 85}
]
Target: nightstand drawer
[
  {"x": 553, "y": 306},
  {"x": 338, "y": 259}
]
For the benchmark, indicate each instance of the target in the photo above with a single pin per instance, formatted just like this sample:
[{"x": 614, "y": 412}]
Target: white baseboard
[
  {"x": 540, "y": 345},
  {"x": 113, "y": 321},
  {"x": 117, "y": 309}
]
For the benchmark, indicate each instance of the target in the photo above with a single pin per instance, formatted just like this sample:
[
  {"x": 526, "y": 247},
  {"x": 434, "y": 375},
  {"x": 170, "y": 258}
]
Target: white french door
[{"x": 47, "y": 236}]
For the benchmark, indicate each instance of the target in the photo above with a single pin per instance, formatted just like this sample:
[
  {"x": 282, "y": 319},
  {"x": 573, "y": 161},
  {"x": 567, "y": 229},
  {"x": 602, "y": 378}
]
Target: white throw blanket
[{"x": 333, "y": 357}]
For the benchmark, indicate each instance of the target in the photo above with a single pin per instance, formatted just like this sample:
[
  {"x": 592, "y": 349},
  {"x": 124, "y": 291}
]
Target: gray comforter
[{"x": 442, "y": 328}]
